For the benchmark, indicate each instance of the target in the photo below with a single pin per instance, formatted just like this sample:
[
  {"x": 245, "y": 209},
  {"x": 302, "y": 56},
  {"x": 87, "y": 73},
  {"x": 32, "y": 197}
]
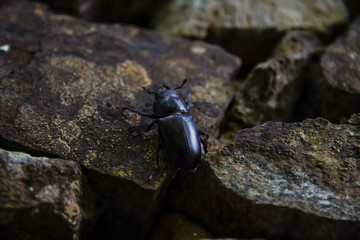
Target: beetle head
[
  {"x": 168, "y": 92},
  {"x": 160, "y": 94}
]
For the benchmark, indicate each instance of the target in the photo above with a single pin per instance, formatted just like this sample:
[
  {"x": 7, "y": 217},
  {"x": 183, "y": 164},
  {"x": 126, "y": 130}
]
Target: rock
[
  {"x": 39, "y": 197},
  {"x": 64, "y": 82},
  {"x": 273, "y": 88},
  {"x": 334, "y": 87},
  {"x": 248, "y": 28},
  {"x": 279, "y": 181},
  {"x": 340, "y": 60},
  {"x": 354, "y": 119},
  {"x": 174, "y": 225}
]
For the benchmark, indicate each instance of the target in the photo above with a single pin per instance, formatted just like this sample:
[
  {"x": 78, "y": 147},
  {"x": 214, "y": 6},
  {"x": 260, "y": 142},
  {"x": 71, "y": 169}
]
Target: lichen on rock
[{"x": 277, "y": 176}]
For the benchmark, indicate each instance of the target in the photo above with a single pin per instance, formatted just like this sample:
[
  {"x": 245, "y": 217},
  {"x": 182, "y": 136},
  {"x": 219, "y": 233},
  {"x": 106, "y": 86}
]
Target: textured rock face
[
  {"x": 248, "y": 28},
  {"x": 333, "y": 88},
  {"x": 85, "y": 164},
  {"x": 273, "y": 88},
  {"x": 39, "y": 197},
  {"x": 62, "y": 89},
  {"x": 64, "y": 82},
  {"x": 280, "y": 176},
  {"x": 197, "y": 18},
  {"x": 340, "y": 61}
]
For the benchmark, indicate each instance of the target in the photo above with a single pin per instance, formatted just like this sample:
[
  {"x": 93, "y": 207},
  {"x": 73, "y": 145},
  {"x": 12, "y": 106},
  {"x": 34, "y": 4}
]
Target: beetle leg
[
  {"x": 148, "y": 91},
  {"x": 157, "y": 162},
  {"x": 165, "y": 86},
  {"x": 149, "y": 115},
  {"x": 204, "y": 144},
  {"x": 157, "y": 155},
  {"x": 185, "y": 80},
  {"x": 201, "y": 132},
  {"x": 150, "y": 126},
  {"x": 188, "y": 102}
]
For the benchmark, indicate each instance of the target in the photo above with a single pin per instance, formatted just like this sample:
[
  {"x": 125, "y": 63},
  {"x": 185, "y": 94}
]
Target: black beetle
[{"x": 178, "y": 134}]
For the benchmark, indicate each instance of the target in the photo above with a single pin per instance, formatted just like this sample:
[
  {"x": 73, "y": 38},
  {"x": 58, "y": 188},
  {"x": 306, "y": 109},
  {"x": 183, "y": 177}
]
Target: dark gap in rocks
[
  {"x": 116, "y": 208},
  {"x": 228, "y": 128},
  {"x": 89, "y": 205},
  {"x": 167, "y": 209},
  {"x": 250, "y": 45},
  {"x": 353, "y": 7},
  {"x": 310, "y": 71},
  {"x": 334, "y": 32},
  {"x": 3, "y": 2},
  {"x": 17, "y": 147},
  {"x": 138, "y": 13},
  {"x": 60, "y": 6}
]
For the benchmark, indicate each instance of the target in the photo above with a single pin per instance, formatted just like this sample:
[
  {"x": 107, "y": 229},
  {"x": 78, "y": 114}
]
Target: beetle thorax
[
  {"x": 164, "y": 94},
  {"x": 169, "y": 105}
]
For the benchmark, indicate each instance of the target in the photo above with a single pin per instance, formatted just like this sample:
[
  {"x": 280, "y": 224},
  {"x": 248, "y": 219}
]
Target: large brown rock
[
  {"x": 64, "y": 82},
  {"x": 39, "y": 197},
  {"x": 279, "y": 180},
  {"x": 249, "y": 28}
]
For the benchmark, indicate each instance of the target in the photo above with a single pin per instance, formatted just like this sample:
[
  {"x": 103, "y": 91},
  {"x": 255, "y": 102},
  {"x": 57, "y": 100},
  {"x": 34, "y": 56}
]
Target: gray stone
[
  {"x": 249, "y": 28},
  {"x": 197, "y": 18},
  {"x": 279, "y": 180},
  {"x": 39, "y": 197}
]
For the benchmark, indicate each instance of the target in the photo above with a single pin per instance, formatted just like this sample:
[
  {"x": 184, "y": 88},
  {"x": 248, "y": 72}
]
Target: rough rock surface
[
  {"x": 249, "y": 28},
  {"x": 273, "y": 88},
  {"x": 64, "y": 81},
  {"x": 333, "y": 88},
  {"x": 39, "y": 197},
  {"x": 340, "y": 61},
  {"x": 62, "y": 88},
  {"x": 197, "y": 18},
  {"x": 279, "y": 180}
]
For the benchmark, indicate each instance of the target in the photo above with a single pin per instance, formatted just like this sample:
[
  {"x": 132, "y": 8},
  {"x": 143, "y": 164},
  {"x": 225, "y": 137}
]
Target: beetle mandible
[{"x": 177, "y": 131}]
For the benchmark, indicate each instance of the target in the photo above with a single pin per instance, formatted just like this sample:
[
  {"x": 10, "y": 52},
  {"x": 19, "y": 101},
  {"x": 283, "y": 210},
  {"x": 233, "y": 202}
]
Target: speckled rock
[
  {"x": 334, "y": 84},
  {"x": 64, "y": 82},
  {"x": 279, "y": 181},
  {"x": 39, "y": 197},
  {"x": 273, "y": 88},
  {"x": 249, "y": 28}
]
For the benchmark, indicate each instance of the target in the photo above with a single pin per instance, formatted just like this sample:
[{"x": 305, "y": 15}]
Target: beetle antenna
[
  {"x": 149, "y": 92},
  {"x": 185, "y": 80},
  {"x": 163, "y": 85}
]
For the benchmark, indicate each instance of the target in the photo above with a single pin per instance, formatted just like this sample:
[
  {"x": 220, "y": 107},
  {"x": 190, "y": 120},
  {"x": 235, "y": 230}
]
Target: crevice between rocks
[{"x": 17, "y": 147}]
